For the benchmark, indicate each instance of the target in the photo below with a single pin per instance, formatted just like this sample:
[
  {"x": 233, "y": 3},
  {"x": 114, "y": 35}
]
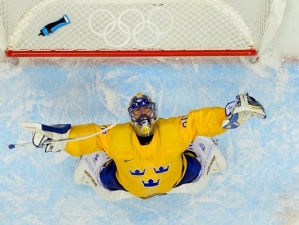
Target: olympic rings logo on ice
[{"x": 143, "y": 23}]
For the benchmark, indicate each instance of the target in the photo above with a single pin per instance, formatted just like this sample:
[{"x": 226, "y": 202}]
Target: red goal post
[{"x": 133, "y": 28}]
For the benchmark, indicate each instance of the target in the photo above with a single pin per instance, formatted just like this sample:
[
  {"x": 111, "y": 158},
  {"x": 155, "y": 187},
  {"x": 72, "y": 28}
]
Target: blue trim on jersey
[
  {"x": 108, "y": 177},
  {"x": 192, "y": 172}
]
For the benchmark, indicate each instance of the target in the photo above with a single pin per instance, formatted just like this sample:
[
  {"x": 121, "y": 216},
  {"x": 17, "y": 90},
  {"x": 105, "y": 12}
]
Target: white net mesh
[{"x": 136, "y": 24}]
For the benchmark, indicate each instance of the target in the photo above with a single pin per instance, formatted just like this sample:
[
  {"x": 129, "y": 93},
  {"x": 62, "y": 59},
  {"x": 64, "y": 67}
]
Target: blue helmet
[{"x": 143, "y": 113}]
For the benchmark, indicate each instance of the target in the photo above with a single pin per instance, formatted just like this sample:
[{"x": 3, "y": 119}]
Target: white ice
[{"x": 260, "y": 186}]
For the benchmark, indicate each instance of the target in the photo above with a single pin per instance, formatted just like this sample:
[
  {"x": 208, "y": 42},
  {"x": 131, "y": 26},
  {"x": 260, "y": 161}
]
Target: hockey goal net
[{"x": 135, "y": 27}]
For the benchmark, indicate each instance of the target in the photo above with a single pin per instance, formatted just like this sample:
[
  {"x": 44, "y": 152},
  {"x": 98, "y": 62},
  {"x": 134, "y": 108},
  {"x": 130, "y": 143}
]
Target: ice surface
[{"x": 260, "y": 186}]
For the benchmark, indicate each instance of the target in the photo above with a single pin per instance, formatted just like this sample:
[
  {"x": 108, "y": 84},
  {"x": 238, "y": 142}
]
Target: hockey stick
[{"x": 12, "y": 146}]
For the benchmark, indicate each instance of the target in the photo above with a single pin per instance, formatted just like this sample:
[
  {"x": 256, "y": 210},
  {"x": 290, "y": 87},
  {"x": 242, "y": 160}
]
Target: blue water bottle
[{"x": 52, "y": 27}]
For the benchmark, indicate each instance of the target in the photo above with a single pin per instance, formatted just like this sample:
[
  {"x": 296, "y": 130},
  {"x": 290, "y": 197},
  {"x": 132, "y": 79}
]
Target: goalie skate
[{"x": 205, "y": 148}]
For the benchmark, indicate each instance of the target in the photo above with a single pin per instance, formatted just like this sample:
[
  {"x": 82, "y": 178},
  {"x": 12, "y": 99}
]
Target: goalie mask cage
[{"x": 135, "y": 27}]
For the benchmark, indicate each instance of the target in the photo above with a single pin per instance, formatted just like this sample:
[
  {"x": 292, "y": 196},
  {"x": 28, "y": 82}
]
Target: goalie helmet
[{"x": 143, "y": 113}]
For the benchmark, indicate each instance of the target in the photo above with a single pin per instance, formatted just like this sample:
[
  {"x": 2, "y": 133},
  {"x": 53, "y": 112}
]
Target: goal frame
[
  {"x": 137, "y": 53},
  {"x": 271, "y": 26}
]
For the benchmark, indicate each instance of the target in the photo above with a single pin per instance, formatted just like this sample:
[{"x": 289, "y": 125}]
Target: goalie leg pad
[
  {"x": 87, "y": 172},
  {"x": 203, "y": 148},
  {"x": 89, "y": 167},
  {"x": 211, "y": 160}
]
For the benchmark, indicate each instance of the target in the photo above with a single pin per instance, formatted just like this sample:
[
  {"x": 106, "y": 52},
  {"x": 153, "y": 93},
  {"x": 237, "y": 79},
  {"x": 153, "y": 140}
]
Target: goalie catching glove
[
  {"x": 242, "y": 110},
  {"x": 49, "y": 137}
]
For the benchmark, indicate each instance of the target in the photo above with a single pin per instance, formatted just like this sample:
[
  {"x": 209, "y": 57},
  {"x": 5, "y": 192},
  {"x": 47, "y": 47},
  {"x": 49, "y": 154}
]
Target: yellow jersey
[{"x": 153, "y": 169}]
